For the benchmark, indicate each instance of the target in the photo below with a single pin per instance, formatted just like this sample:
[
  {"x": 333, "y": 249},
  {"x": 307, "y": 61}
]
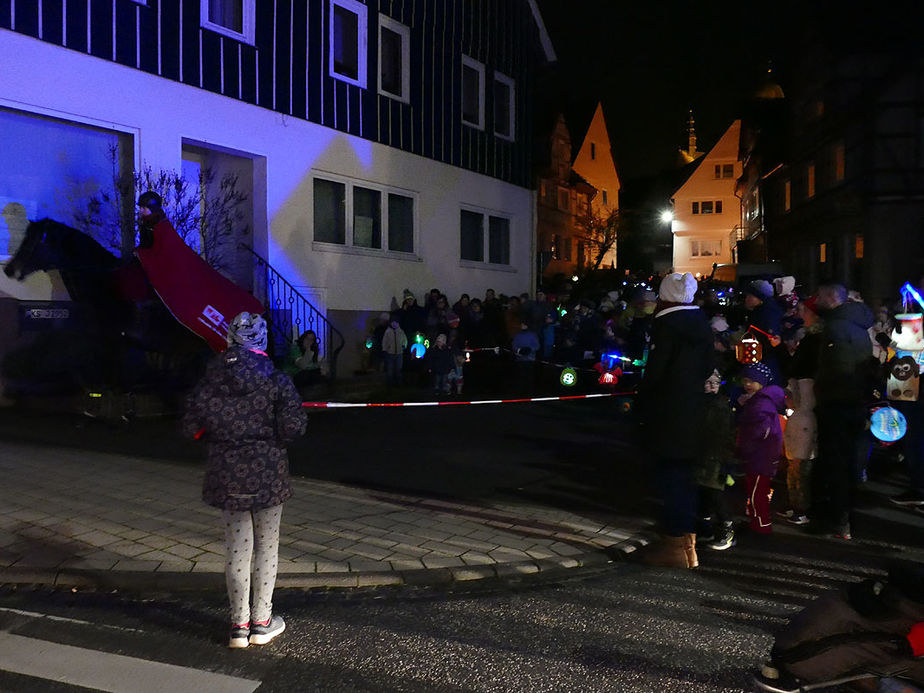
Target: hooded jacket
[
  {"x": 845, "y": 351},
  {"x": 249, "y": 412},
  {"x": 760, "y": 436},
  {"x": 671, "y": 391}
]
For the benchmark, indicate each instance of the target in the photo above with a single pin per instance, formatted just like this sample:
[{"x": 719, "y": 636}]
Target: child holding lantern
[{"x": 759, "y": 441}]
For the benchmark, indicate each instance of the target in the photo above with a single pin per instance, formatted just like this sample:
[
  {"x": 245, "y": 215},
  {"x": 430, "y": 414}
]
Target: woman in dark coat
[
  {"x": 248, "y": 412},
  {"x": 671, "y": 401}
]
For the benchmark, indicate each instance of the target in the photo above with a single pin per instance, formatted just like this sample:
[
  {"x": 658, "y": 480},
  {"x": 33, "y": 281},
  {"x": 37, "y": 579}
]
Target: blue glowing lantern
[
  {"x": 568, "y": 377},
  {"x": 887, "y": 424},
  {"x": 419, "y": 347},
  {"x": 369, "y": 343}
]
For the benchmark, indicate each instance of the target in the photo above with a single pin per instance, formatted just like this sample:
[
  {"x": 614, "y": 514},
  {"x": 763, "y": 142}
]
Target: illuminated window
[
  {"x": 810, "y": 181},
  {"x": 233, "y": 18},
  {"x": 706, "y": 248},
  {"x": 823, "y": 252},
  {"x": 472, "y": 226},
  {"x": 787, "y": 195},
  {"x": 503, "y": 106},
  {"x": 352, "y": 214},
  {"x": 348, "y": 41},
  {"x": 858, "y": 247},
  {"x": 472, "y": 92},
  {"x": 839, "y": 162},
  {"x": 394, "y": 59}
]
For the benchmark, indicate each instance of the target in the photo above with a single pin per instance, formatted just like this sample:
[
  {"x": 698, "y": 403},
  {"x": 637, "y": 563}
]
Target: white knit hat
[{"x": 678, "y": 288}]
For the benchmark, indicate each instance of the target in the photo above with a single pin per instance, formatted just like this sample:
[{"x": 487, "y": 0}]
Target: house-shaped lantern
[{"x": 749, "y": 350}]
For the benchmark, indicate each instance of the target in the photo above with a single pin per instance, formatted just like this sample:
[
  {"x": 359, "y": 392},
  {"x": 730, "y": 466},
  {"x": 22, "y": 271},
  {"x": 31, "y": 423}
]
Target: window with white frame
[
  {"x": 363, "y": 215},
  {"x": 724, "y": 171},
  {"x": 706, "y": 248},
  {"x": 233, "y": 18},
  {"x": 348, "y": 41},
  {"x": 394, "y": 59},
  {"x": 472, "y": 92},
  {"x": 504, "y": 94},
  {"x": 706, "y": 207},
  {"x": 473, "y": 227}
]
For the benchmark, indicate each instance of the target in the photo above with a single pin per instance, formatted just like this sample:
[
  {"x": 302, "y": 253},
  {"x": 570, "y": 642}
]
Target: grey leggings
[{"x": 251, "y": 533}]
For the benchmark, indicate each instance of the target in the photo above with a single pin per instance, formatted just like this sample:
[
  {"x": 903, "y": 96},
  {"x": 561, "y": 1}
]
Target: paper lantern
[
  {"x": 568, "y": 377},
  {"x": 749, "y": 350},
  {"x": 887, "y": 424}
]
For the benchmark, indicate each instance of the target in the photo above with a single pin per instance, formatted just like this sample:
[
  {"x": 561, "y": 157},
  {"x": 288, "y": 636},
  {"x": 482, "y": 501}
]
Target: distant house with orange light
[
  {"x": 706, "y": 211},
  {"x": 594, "y": 163}
]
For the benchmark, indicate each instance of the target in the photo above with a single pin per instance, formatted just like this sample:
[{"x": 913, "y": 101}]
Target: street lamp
[{"x": 667, "y": 216}]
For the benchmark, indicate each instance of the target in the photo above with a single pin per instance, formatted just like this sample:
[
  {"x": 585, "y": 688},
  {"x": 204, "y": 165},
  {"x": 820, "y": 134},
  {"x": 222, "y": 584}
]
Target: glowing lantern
[
  {"x": 887, "y": 424},
  {"x": 468, "y": 356},
  {"x": 568, "y": 377},
  {"x": 748, "y": 350},
  {"x": 419, "y": 347},
  {"x": 369, "y": 342}
]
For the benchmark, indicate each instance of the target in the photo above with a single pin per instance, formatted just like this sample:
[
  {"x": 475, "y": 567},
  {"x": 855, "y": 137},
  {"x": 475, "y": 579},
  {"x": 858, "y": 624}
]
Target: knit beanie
[
  {"x": 758, "y": 372},
  {"x": 759, "y": 288},
  {"x": 248, "y": 330},
  {"x": 678, "y": 288}
]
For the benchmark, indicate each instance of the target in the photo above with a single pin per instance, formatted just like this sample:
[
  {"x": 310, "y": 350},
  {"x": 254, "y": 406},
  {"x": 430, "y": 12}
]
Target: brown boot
[
  {"x": 689, "y": 550},
  {"x": 667, "y": 552}
]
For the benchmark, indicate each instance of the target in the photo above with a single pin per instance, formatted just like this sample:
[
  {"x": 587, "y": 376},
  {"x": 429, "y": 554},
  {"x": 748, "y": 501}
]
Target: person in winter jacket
[
  {"x": 248, "y": 412},
  {"x": 713, "y": 467},
  {"x": 671, "y": 413},
  {"x": 841, "y": 386},
  {"x": 440, "y": 362},
  {"x": 759, "y": 440},
  {"x": 394, "y": 343}
]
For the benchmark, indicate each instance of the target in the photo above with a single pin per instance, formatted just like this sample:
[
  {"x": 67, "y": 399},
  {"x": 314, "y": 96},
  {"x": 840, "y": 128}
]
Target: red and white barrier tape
[{"x": 346, "y": 405}]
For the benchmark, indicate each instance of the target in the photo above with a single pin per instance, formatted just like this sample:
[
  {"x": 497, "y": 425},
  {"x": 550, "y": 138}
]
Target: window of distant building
[
  {"x": 348, "y": 41},
  {"x": 705, "y": 207},
  {"x": 822, "y": 252},
  {"x": 472, "y": 92},
  {"x": 394, "y": 59},
  {"x": 706, "y": 248},
  {"x": 359, "y": 215},
  {"x": 810, "y": 181},
  {"x": 839, "y": 162},
  {"x": 593, "y": 151},
  {"x": 694, "y": 207},
  {"x": 566, "y": 249},
  {"x": 556, "y": 247},
  {"x": 504, "y": 106},
  {"x": 723, "y": 170},
  {"x": 564, "y": 199},
  {"x": 233, "y": 18},
  {"x": 787, "y": 196},
  {"x": 858, "y": 246},
  {"x": 473, "y": 226}
]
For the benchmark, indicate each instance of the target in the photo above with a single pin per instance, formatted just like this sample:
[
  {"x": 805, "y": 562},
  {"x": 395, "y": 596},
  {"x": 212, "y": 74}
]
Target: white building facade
[
  {"x": 369, "y": 138},
  {"x": 706, "y": 210}
]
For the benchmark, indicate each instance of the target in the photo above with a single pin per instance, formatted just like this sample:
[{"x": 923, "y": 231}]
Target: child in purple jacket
[{"x": 759, "y": 440}]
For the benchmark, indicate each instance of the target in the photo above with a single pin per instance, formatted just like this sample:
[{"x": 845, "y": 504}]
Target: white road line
[
  {"x": 51, "y": 617},
  {"x": 109, "y": 672}
]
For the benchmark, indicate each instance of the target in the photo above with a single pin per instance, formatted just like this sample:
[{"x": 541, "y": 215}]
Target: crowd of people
[
  {"x": 535, "y": 329},
  {"x": 776, "y": 380}
]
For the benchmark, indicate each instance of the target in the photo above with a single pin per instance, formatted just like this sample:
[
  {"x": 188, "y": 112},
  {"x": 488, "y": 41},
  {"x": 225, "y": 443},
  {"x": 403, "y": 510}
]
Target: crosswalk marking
[{"x": 109, "y": 672}]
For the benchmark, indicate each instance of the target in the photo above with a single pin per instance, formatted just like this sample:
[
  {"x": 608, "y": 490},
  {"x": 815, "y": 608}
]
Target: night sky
[{"x": 650, "y": 62}]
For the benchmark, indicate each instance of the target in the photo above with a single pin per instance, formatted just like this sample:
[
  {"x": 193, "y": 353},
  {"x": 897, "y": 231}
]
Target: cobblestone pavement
[{"x": 81, "y": 518}]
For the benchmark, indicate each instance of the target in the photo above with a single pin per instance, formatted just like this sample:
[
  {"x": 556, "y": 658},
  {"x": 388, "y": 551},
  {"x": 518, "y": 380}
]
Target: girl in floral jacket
[{"x": 248, "y": 412}]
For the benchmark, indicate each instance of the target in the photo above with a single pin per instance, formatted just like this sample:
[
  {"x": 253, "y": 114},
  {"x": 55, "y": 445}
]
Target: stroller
[{"x": 866, "y": 637}]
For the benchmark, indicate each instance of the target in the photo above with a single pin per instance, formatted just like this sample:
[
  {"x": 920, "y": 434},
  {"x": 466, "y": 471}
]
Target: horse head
[{"x": 51, "y": 245}]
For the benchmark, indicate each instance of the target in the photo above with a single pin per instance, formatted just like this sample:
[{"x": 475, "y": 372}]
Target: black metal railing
[{"x": 290, "y": 314}]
